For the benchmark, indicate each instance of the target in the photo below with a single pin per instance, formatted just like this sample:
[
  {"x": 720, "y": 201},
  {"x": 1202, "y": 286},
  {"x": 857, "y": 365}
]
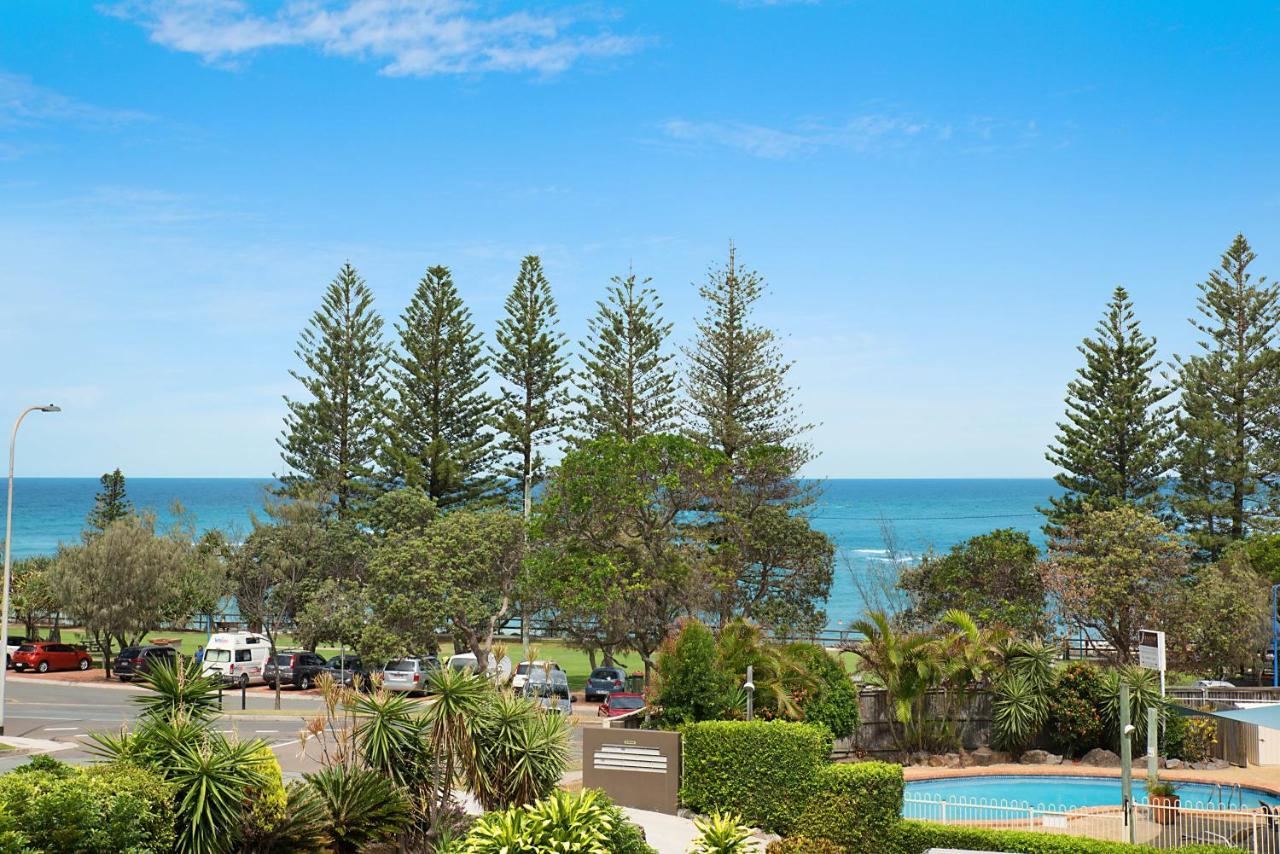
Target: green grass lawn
[{"x": 574, "y": 662}]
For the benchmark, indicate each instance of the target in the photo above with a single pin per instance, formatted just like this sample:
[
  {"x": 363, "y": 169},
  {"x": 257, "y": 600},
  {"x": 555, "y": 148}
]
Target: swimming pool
[{"x": 1034, "y": 790}]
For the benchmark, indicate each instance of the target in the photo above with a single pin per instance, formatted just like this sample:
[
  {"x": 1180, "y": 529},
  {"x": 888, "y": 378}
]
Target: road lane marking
[
  {"x": 61, "y": 728},
  {"x": 266, "y": 731}
]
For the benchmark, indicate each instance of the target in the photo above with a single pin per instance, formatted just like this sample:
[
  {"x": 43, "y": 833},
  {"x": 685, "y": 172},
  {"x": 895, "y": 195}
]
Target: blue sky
[{"x": 942, "y": 196}]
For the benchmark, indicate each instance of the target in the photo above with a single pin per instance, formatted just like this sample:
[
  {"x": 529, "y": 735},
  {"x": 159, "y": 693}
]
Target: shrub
[
  {"x": 856, "y": 806},
  {"x": 723, "y": 833},
  {"x": 55, "y": 808},
  {"x": 1144, "y": 693},
  {"x": 265, "y": 807},
  {"x": 690, "y": 685},
  {"x": 764, "y": 771},
  {"x": 1201, "y": 735},
  {"x": 917, "y": 837},
  {"x": 835, "y": 702},
  {"x": 1018, "y": 712},
  {"x": 360, "y": 807},
  {"x": 583, "y": 822},
  {"x": 1075, "y": 722},
  {"x": 803, "y": 845}
]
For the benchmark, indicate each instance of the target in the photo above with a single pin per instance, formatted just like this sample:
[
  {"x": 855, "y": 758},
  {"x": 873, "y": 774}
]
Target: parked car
[
  {"x": 551, "y": 689},
  {"x": 1212, "y": 683},
  {"x": 295, "y": 667},
  {"x": 15, "y": 641},
  {"x": 44, "y": 656},
  {"x": 523, "y": 668},
  {"x": 349, "y": 670},
  {"x": 236, "y": 657},
  {"x": 619, "y": 703},
  {"x": 604, "y": 681},
  {"x": 408, "y": 675},
  {"x": 499, "y": 671},
  {"x": 139, "y": 660}
]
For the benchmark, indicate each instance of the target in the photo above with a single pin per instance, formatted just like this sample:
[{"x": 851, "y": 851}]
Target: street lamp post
[{"x": 8, "y": 540}]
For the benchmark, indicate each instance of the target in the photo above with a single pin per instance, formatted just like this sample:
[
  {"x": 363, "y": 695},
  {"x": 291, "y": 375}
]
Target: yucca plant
[
  {"x": 459, "y": 696},
  {"x": 212, "y": 777},
  {"x": 1144, "y": 693},
  {"x": 520, "y": 752},
  {"x": 1019, "y": 709},
  {"x": 723, "y": 833},
  {"x": 1034, "y": 659},
  {"x": 388, "y": 733},
  {"x": 360, "y": 807},
  {"x": 179, "y": 688},
  {"x": 299, "y": 831}
]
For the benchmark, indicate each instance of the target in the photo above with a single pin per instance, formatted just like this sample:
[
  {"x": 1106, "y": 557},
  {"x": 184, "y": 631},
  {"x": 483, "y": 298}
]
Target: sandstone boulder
[
  {"x": 1040, "y": 757},
  {"x": 1101, "y": 758}
]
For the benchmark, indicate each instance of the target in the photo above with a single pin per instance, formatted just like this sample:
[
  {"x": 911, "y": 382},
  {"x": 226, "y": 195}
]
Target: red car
[
  {"x": 44, "y": 656},
  {"x": 619, "y": 703}
]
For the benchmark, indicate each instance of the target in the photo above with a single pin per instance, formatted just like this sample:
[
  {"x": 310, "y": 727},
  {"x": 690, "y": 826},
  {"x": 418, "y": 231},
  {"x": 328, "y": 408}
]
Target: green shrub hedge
[
  {"x": 48, "y": 806},
  {"x": 916, "y": 837},
  {"x": 857, "y": 806},
  {"x": 764, "y": 771},
  {"x": 803, "y": 845}
]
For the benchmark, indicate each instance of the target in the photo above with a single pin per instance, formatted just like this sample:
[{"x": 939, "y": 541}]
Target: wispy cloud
[
  {"x": 407, "y": 37},
  {"x": 869, "y": 132},
  {"x": 24, "y": 103}
]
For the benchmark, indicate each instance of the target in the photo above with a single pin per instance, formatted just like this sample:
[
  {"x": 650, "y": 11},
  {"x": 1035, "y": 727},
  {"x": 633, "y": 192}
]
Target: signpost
[{"x": 1151, "y": 652}]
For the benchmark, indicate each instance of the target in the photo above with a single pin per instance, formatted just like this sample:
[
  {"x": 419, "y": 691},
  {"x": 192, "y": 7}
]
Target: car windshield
[
  {"x": 626, "y": 703},
  {"x": 402, "y": 666},
  {"x": 522, "y": 668},
  {"x": 217, "y": 655},
  {"x": 284, "y": 659},
  {"x": 26, "y": 647}
]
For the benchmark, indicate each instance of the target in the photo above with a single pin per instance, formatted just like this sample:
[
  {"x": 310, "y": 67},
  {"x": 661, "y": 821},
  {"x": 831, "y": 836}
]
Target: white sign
[{"x": 1151, "y": 650}]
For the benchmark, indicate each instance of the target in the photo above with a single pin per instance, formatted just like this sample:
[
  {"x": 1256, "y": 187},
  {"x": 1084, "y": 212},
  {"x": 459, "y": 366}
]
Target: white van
[
  {"x": 238, "y": 657},
  {"x": 499, "y": 671}
]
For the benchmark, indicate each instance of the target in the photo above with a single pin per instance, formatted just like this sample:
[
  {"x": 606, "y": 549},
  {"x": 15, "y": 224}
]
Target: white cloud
[
  {"x": 863, "y": 133},
  {"x": 23, "y": 103},
  {"x": 860, "y": 133},
  {"x": 407, "y": 37}
]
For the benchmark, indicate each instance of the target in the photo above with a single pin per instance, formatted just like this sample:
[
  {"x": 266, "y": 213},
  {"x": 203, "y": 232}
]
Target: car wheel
[
  {"x": 243, "y": 681},
  {"x": 304, "y": 683},
  {"x": 42, "y": 667},
  {"x": 84, "y": 664}
]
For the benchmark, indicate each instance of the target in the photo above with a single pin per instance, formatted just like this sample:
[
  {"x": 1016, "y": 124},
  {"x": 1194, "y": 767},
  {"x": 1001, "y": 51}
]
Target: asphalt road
[{"x": 44, "y": 708}]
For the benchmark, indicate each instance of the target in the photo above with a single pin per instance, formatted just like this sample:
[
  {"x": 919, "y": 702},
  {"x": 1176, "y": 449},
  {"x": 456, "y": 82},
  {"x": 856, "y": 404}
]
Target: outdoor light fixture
[{"x": 8, "y": 539}]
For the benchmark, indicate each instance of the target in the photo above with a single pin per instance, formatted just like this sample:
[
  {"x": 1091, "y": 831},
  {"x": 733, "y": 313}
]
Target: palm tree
[
  {"x": 905, "y": 664},
  {"x": 778, "y": 673}
]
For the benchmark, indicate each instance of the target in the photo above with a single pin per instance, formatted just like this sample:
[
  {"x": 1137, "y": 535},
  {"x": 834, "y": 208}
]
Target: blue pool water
[{"x": 1035, "y": 790}]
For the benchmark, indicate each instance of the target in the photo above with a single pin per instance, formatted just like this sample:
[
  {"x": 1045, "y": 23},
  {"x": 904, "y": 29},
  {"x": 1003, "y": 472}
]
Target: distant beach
[{"x": 922, "y": 513}]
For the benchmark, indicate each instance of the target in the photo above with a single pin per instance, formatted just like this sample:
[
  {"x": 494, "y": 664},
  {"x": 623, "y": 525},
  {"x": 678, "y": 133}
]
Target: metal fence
[{"x": 1159, "y": 825}]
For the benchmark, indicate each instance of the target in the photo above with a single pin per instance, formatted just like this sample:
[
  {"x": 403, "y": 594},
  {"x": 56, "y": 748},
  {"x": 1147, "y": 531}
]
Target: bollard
[
  {"x": 244, "y": 689},
  {"x": 219, "y": 695}
]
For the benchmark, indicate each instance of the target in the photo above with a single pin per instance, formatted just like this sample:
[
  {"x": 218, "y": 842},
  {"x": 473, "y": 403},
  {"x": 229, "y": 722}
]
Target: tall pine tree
[
  {"x": 1114, "y": 446},
  {"x": 331, "y": 438},
  {"x": 1229, "y": 449},
  {"x": 528, "y": 359},
  {"x": 736, "y": 385},
  {"x": 109, "y": 505},
  {"x": 438, "y": 438},
  {"x": 627, "y": 386}
]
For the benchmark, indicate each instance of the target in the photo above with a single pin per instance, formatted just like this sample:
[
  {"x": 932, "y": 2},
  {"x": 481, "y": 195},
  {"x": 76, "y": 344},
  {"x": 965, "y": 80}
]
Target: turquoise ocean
[{"x": 919, "y": 514}]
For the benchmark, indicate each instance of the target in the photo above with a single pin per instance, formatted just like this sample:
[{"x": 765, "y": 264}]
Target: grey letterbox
[{"x": 637, "y": 768}]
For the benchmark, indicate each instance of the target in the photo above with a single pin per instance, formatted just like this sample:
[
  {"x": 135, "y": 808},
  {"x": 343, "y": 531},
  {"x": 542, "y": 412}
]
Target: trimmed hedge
[
  {"x": 764, "y": 771},
  {"x": 803, "y": 845},
  {"x": 857, "y": 806},
  {"x": 916, "y": 837}
]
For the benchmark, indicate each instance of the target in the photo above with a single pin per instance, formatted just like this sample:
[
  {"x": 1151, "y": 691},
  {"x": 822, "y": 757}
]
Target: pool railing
[{"x": 1158, "y": 824}]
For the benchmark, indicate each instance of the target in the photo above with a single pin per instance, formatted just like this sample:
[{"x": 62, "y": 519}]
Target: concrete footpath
[{"x": 669, "y": 834}]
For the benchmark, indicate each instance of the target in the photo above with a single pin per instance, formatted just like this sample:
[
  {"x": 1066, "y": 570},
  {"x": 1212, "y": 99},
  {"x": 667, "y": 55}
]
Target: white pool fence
[{"x": 1158, "y": 825}]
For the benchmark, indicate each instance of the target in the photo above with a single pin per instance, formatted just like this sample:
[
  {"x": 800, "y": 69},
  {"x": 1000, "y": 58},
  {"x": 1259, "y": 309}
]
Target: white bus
[{"x": 237, "y": 657}]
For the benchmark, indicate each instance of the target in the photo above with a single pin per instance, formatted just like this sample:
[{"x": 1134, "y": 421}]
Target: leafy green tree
[
  {"x": 828, "y": 696},
  {"x": 30, "y": 592},
  {"x": 109, "y": 505},
  {"x": 122, "y": 583},
  {"x": 1114, "y": 572},
  {"x": 1115, "y": 443},
  {"x": 530, "y": 363},
  {"x": 626, "y": 386},
  {"x": 1223, "y": 618},
  {"x": 461, "y": 571},
  {"x": 1263, "y": 553},
  {"x": 781, "y": 676},
  {"x": 331, "y": 438},
  {"x": 1229, "y": 454},
  {"x": 618, "y": 537},
  {"x": 736, "y": 377},
  {"x": 994, "y": 577},
  {"x": 438, "y": 437},
  {"x": 691, "y": 685},
  {"x": 1075, "y": 724}
]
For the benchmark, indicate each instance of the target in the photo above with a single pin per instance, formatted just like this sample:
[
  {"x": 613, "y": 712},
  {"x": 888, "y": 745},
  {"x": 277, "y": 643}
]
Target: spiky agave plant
[
  {"x": 179, "y": 688},
  {"x": 360, "y": 807},
  {"x": 520, "y": 752},
  {"x": 723, "y": 833}
]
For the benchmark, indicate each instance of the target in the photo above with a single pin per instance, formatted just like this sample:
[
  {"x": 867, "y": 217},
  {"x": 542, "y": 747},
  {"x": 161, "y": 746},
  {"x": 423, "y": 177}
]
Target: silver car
[
  {"x": 408, "y": 675},
  {"x": 551, "y": 690}
]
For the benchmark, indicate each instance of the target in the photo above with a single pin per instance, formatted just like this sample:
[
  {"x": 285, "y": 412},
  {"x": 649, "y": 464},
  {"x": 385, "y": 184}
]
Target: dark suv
[
  {"x": 349, "y": 670},
  {"x": 139, "y": 660},
  {"x": 293, "y": 667}
]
